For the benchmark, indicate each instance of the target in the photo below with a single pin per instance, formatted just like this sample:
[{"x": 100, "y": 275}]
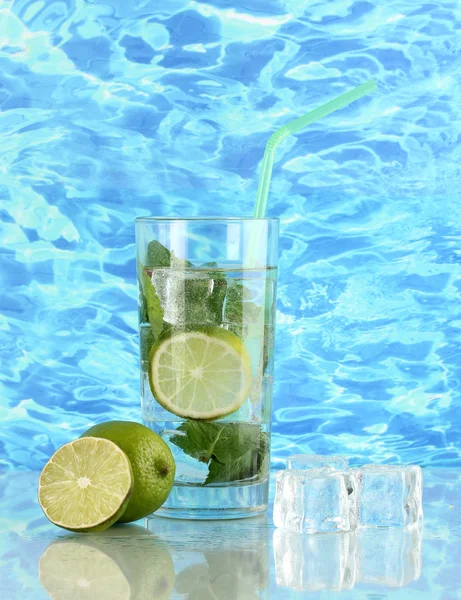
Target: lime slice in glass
[
  {"x": 200, "y": 374},
  {"x": 86, "y": 485}
]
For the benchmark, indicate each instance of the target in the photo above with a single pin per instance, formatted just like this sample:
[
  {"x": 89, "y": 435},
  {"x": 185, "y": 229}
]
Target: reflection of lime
[
  {"x": 200, "y": 374},
  {"x": 74, "y": 570},
  {"x": 122, "y": 563},
  {"x": 151, "y": 460},
  {"x": 86, "y": 485}
]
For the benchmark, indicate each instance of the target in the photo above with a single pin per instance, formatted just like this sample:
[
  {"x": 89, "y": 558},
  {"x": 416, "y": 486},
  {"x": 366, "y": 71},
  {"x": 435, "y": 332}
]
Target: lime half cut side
[
  {"x": 200, "y": 374},
  {"x": 86, "y": 485}
]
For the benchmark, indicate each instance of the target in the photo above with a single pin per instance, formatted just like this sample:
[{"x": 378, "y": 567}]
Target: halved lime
[
  {"x": 151, "y": 460},
  {"x": 86, "y": 485},
  {"x": 200, "y": 374}
]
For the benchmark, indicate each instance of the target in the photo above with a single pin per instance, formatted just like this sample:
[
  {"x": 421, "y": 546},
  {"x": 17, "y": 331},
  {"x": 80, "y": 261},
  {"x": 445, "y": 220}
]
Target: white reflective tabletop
[{"x": 243, "y": 559}]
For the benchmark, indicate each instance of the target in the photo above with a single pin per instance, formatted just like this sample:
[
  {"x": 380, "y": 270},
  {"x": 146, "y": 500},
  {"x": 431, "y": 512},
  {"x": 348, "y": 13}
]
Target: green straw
[{"x": 294, "y": 127}]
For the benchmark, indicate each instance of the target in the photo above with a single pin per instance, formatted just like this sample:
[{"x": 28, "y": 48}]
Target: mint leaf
[
  {"x": 142, "y": 308},
  {"x": 235, "y": 440},
  {"x": 147, "y": 339},
  {"x": 157, "y": 255},
  {"x": 233, "y": 451},
  {"x": 198, "y": 439},
  {"x": 180, "y": 263},
  {"x": 265, "y": 452},
  {"x": 245, "y": 452},
  {"x": 268, "y": 345},
  {"x": 242, "y": 468},
  {"x": 238, "y": 308},
  {"x": 153, "y": 307}
]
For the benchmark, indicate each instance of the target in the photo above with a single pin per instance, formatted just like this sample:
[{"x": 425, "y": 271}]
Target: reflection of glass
[
  {"x": 216, "y": 560},
  {"x": 120, "y": 563},
  {"x": 388, "y": 557},
  {"x": 391, "y": 556},
  {"x": 315, "y": 562}
]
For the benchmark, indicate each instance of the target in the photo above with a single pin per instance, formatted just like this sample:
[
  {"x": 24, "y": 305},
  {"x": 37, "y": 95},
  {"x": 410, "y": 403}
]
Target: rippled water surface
[{"x": 115, "y": 109}]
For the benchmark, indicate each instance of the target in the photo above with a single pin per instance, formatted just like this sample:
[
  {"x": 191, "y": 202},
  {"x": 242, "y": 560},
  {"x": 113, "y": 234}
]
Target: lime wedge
[
  {"x": 200, "y": 374},
  {"x": 86, "y": 485}
]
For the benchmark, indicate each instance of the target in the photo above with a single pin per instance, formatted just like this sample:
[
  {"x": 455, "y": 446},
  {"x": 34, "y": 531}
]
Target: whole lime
[{"x": 151, "y": 461}]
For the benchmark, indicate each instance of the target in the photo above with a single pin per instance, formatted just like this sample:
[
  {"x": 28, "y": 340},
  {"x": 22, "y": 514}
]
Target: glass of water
[{"x": 207, "y": 290}]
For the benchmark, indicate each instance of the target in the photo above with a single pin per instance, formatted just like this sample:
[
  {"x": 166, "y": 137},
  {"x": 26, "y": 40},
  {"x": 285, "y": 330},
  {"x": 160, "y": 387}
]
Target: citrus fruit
[
  {"x": 203, "y": 373},
  {"x": 86, "y": 485},
  {"x": 122, "y": 563},
  {"x": 151, "y": 461}
]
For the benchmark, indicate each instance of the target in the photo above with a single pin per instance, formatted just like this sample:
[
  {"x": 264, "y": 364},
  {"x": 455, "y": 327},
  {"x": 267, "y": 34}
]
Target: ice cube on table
[
  {"x": 389, "y": 556},
  {"x": 316, "y": 461},
  {"x": 315, "y": 562},
  {"x": 318, "y": 500},
  {"x": 389, "y": 495}
]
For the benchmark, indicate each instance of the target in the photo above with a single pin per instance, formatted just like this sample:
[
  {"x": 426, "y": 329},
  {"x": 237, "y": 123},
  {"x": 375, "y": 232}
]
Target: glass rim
[{"x": 223, "y": 219}]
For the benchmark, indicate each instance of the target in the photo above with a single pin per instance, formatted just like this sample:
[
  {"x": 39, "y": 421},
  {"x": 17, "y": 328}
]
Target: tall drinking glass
[{"x": 207, "y": 290}]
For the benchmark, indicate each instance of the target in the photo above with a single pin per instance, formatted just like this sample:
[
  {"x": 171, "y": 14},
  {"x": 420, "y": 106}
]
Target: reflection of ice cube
[
  {"x": 315, "y": 500},
  {"x": 315, "y": 562},
  {"x": 316, "y": 461},
  {"x": 390, "y": 556},
  {"x": 389, "y": 495}
]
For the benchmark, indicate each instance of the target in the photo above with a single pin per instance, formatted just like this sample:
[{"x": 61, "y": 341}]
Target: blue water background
[{"x": 115, "y": 109}]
